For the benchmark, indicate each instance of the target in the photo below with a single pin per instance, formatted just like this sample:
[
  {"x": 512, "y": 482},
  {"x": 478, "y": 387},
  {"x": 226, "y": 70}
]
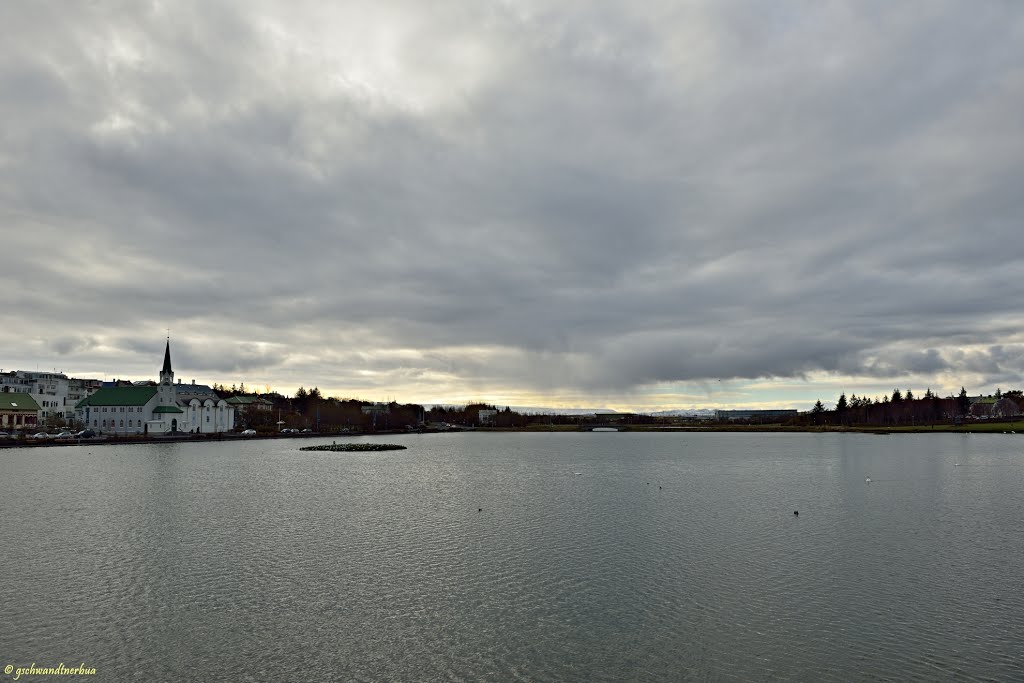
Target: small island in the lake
[{"x": 358, "y": 447}]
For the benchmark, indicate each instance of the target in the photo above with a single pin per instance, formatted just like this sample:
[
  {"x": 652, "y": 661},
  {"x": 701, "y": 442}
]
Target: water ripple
[{"x": 485, "y": 557}]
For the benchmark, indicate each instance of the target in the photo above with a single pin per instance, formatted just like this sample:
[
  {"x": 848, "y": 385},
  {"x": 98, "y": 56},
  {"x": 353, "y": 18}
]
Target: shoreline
[{"x": 1008, "y": 428}]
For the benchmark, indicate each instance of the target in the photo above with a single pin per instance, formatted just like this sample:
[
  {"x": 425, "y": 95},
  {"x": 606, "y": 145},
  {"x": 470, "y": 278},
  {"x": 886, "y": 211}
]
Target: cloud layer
[{"x": 523, "y": 200}]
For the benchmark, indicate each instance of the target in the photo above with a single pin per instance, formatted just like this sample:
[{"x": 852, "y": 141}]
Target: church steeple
[
  {"x": 167, "y": 359},
  {"x": 166, "y": 374}
]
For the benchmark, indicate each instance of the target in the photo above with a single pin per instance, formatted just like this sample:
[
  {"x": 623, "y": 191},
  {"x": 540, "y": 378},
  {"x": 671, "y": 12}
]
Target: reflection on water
[{"x": 486, "y": 557}]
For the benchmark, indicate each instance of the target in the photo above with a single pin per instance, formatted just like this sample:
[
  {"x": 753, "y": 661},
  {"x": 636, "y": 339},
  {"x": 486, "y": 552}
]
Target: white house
[
  {"x": 54, "y": 392},
  {"x": 157, "y": 409}
]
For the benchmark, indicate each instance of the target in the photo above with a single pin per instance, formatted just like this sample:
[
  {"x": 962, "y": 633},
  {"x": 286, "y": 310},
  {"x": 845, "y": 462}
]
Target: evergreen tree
[
  {"x": 896, "y": 396},
  {"x": 910, "y": 395},
  {"x": 963, "y": 403},
  {"x": 818, "y": 408},
  {"x": 841, "y": 404}
]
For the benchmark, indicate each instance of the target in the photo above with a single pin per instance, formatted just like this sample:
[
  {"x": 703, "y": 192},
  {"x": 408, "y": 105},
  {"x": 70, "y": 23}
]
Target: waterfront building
[
  {"x": 157, "y": 408},
  {"x": 250, "y": 404},
  {"x": 55, "y": 393},
  {"x": 754, "y": 415},
  {"x": 18, "y": 410}
]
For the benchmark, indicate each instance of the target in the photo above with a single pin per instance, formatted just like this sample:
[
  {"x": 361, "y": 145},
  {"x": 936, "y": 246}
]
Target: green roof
[
  {"x": 119, "y": 396},
  {"x": 246, "y": 400},
  {"x": 167, "y": 409},
  {"x": 17, "y": 402}
]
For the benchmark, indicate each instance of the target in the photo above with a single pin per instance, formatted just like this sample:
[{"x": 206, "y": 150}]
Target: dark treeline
[
  {"x": 907, "y": 409},
  {"x": 310, "y": 409}
]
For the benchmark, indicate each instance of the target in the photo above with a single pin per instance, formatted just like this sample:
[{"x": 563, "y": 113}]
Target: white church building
[{"x": 164, "y": 408}]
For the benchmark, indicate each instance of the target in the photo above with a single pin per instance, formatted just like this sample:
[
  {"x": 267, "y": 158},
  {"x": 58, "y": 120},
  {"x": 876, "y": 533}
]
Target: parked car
[
  {"x": 40, "y": 435},
  {"x": 4, "y": 435},
  {"x": 249, "y": 432},
  {"x": 86, "y": 434},
  {"x": 65, "y": 435},
  {"x": 307, "y": 431}
]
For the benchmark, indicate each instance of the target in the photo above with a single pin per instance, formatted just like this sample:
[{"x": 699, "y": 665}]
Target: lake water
[{"x": 479, "y": 556}]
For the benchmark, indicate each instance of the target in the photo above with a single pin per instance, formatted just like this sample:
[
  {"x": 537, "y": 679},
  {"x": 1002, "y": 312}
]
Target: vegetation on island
[{"x": 355, "y": 447}]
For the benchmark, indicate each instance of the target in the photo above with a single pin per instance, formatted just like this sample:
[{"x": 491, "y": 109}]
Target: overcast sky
[{"x": 574, "y": 204}]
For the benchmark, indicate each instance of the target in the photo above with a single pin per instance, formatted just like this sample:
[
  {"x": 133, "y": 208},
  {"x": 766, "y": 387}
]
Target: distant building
[
  {"x": 18, "y": 410},
  {"x": 79, "y": 389},
  {"x": 157, "y": 408},
  {"x": 54, "y": 392},
  {"x": 250, "y": 404},
  {"x": 754, "y": 415},
  {"x": 613, "y": 417},
  {"x": 487, "y": 416},
  {"x": 1005, "y": 407},
  {"x": 377, "y": 409},
  {"x": 981, "y": 406}
]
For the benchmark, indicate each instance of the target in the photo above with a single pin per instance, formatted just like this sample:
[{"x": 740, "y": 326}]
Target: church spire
[
  {"x": 167, "y": 375},
  {"x": 167, "y": 359}
]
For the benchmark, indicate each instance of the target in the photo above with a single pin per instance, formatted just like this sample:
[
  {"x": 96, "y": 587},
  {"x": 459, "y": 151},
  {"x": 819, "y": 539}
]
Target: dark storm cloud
[
  {"x": 66, "y": 345},
  {"x": 546, "y": 196}
]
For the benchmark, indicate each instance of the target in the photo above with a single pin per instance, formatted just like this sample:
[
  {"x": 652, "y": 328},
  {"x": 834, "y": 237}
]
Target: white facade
[
  {"x": 56, "y": 393},
  {"x": 119, "y": 410},
  {"x": 48, "y": 389},
  {"x": 158, "y": 409}
]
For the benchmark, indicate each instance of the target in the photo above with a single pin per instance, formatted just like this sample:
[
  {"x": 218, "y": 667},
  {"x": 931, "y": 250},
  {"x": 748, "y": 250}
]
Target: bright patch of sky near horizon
[{"x": 572, "y": 204}]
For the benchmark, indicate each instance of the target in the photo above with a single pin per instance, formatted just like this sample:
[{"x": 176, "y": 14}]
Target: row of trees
[
  {"x": 904, "y": 408},
  {"x": 309, "y": 408}
]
